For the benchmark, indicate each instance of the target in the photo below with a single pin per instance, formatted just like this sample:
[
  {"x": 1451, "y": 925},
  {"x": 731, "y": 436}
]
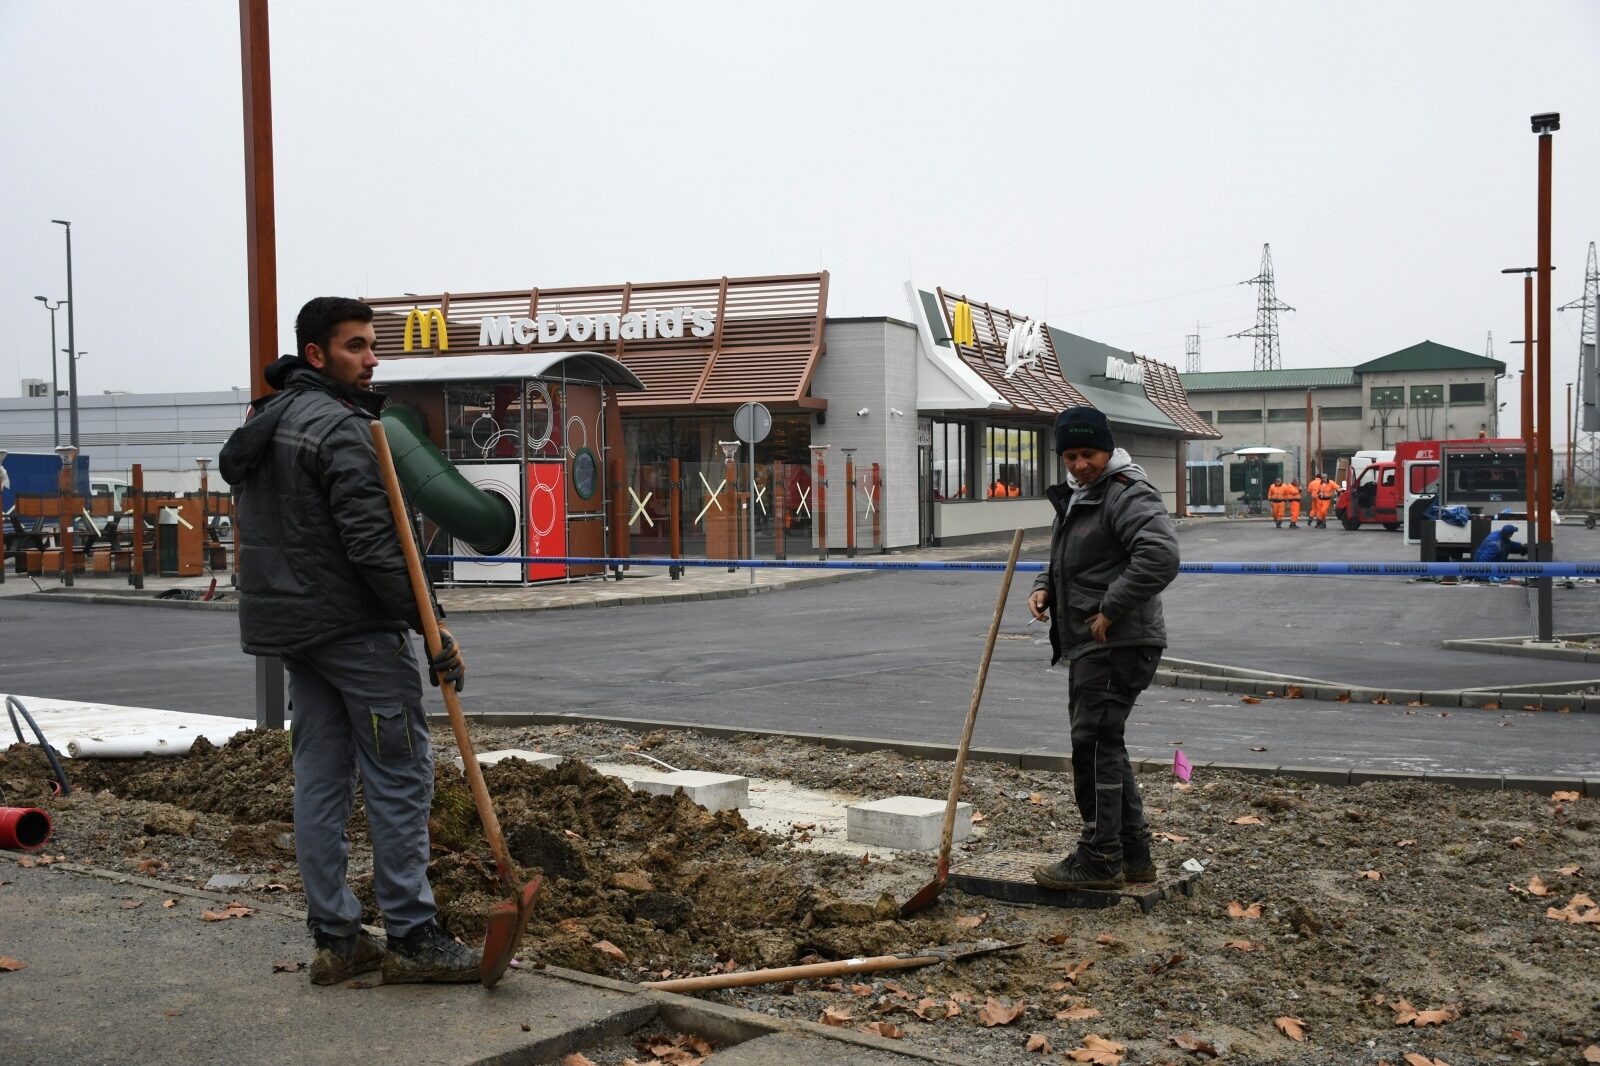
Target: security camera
[{"x": 863, "y": 412}]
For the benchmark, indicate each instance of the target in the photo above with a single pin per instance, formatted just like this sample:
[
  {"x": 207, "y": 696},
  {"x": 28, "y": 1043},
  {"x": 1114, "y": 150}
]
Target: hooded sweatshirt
[
  {"x": 318, "y": 553},
  {"x": 1112, "y": 551}
]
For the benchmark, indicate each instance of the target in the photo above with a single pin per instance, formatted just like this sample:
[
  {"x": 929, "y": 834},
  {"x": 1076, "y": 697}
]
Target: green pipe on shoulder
[{"x": 450, "y": 501}]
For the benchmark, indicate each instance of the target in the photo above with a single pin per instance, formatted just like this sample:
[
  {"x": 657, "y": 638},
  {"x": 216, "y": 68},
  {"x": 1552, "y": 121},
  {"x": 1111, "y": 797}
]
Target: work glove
[{"x": 447, "y": 664}]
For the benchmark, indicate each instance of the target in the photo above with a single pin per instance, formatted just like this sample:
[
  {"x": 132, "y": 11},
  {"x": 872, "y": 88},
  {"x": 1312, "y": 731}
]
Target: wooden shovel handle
[
  {"x": 430, "y": 634},
  {"x": 947, "y": 836},
  {"x": 793, "y": 973}
]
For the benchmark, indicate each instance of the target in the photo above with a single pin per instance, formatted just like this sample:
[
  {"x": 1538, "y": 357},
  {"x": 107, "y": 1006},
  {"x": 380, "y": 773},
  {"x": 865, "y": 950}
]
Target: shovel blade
[
  {"x": 508, "y": 920},
  {"x": 927, "y": 893}
]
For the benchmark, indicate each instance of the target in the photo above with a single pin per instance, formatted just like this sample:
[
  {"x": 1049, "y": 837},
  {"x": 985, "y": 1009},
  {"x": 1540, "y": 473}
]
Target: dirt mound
[
  {"x": 26, "y": 779},
  {"x": 248, "y": 779}
]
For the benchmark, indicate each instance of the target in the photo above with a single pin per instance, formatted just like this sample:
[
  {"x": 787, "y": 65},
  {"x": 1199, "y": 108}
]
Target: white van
[{"x": 104, "y": 485}]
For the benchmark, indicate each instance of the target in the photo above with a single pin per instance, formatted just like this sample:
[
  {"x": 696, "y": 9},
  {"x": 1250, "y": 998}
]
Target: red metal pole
[
  {"x": 1542, "y": 386},
  {"x": 877, "y": 508},
  {"x": 675, "y": 515},
  {"x": 850, "y": 507},
  {"x": 821, "y": 495},
  {"x": 64, "y": 520},
  {"x": 1528, "y": 437},
  {"x": 136, "y": 577},
  {"x": 780, "y": 508}
]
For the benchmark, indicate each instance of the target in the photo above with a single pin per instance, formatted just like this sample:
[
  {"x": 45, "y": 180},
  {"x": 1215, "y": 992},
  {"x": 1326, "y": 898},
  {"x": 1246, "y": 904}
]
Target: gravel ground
[{"x": 1373, "y": 922}]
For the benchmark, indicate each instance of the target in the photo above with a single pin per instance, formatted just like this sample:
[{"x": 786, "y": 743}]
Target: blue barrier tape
[{"x": 1573, "y": 569}]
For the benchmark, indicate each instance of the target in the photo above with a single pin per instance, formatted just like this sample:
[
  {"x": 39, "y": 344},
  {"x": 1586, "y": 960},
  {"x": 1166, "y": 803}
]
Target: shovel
[
  {"x": 809, "y": 972},
  {"x": 508, "y": 919},
  {"x": 930, "y": 891}
]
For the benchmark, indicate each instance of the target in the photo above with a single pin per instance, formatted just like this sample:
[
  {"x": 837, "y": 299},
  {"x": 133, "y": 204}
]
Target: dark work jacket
[
  {"x": 1112, "y": 551},
  {"x": 318, "y": 553}
]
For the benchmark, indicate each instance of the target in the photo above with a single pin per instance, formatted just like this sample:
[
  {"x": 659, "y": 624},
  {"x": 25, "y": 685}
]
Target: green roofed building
[{"x": 1428, "y": 391}]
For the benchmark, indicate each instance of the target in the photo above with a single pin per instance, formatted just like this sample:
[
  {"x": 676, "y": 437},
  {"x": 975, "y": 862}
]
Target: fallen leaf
[
  {"x": 1293, "y": 1028},
  {"x": 169, "y": 903},
  {"x": 1171, "y": 838},
  {"x": 1591, "y": 1053},
  {"x": 146, "y": 865},
  {"x": 1416, "y": 703},
  {"x": 1167, "y": 963},
  {"x": 1035, "y": 798},
  {"x": 1258, "y": 747},
  {"x": 1371, "y": 875},
  {"x": 288, "y": 966},
  {"x": 996, "y": 1013},
  {"x": 951, "y": 1008},
  {"x": 924, "y": 1006},
  {"x": 1241, "y": 945},
  {"x": 1098, "y": 1050},
  {"x": 10, "y": 965},
  {"x": 977, "y": 816},
  {"x": 1056, "y": 940},
  {"x": 1239, "y": 910},
  {"x": 835, "y": 1016},
  {"x": 1038, "y": 1042},
  {"x": 1381, "y": 700},
  {"x": 130, "y": 904},
  {"x": 1414, "y": 1059},
  {"x": 1406, "y": 1014},
  {"x": 610, "y": 950},
  {"x": 866, "y": 859},
  {"x": 1564, "y": 797},
  {"x": 172, "y": 1013},
  {"x": 861, "y": 990},
  {"x": 970, "y": 921},
  {"x": 1193, "y": 1042},
  {"x": 233, "y": 910},
  {"x": 1293, "y": 692},
  {"x": 1247, "y": 819},
  {"x": 26, "y": 862},
  {"x": 1537, "y": 887},
  {"x": 888, "y": 1029},
  {"x": 1248, "y": 699},
  {"x": 1404, "y": 843},
  {"x": 1107, "y": 939},
  {"x": 1571, "y": 871},
  {"x": 1072, "y": 1014},
  {"x": 1077, "y": 969},
  {"x": 1517, "y": 842},
  {"x": 1343, "y": 697},
  {"x": 576, "y": 1058},
  {"x": 961, "y": 997},
  {"x": 1491, "y": 706}
]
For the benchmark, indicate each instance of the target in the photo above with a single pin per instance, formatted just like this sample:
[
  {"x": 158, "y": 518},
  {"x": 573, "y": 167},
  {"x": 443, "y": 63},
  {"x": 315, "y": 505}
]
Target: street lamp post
[
  {"x": 55, "y": 383},
  {"x": 1544, "y": 127},
  {"x": 67, "y": 506},
  {"x": 72, "y": 342}
]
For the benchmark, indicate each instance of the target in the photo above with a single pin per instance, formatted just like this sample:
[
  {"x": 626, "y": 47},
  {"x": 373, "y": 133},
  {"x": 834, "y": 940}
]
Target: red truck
[{"x": 1484, "y": 475}]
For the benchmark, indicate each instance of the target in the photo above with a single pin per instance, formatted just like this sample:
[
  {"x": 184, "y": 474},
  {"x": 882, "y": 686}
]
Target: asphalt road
[{"x": 894, "y": 655}]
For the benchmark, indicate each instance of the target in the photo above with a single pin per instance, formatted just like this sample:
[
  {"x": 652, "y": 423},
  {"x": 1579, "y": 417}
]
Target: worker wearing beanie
[{"x": 1112, "y": 551}]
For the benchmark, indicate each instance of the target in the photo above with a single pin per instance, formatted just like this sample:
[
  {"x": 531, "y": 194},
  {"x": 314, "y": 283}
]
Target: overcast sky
[{"x": 1113, "y": 168}]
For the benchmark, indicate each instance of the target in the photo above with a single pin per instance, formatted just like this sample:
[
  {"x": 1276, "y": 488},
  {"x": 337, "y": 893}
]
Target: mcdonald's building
[{"x": 605, "y": 416}]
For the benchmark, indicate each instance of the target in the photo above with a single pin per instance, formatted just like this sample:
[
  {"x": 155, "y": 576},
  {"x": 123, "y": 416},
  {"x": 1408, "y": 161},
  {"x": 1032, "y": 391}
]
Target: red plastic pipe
[{"x": 24, "y": 828}]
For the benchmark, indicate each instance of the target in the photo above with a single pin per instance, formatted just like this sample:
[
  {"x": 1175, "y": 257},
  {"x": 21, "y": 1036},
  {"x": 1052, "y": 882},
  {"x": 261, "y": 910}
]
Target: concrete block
[
  {"x": 1321, "y": 775},
  {"x": 1479, "y": 699},
  {"x": 1481, "y": 782},
  {"x": 907, "y": 823},
  {"x": 1361, "y": 777},
  {"x": 714, "y": 792},
  {"x": 489, "y": 758},
  {"x": 1542, "y": 785},
  {"x": 1330, "y": 693},
  {"x": 227, "y": 882},
  {"x": 1591, "y": 787},
  {"x": 1251, "y": 769}
]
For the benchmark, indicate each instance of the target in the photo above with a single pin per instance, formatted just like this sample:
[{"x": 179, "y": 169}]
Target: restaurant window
[
  {"x": 1011, "y": 463},
  {"x": 1467, "y": 394},
  {"x": 950, "y": 480}
]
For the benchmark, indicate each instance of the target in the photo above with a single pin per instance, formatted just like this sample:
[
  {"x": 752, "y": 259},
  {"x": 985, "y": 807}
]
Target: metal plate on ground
[{"x": 1008, "y": 876}]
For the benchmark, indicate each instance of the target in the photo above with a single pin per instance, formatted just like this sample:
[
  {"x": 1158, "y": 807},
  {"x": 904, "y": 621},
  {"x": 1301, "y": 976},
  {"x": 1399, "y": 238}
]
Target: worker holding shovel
[
  {"x": 324, "y": 585},
  {"x": 1112, "y": 551}
]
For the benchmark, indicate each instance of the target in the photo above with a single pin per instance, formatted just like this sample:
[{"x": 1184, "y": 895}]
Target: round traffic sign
[{"x": 752, "y": 422}]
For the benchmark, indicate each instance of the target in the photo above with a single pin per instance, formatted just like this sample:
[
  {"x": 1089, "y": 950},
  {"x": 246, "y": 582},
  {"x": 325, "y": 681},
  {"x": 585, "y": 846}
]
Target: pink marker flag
[{"x": 1181, "y": 765}]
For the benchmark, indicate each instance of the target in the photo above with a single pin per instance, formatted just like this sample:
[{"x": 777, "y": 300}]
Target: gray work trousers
[
  {"x": 1101, "y": 691},
  {"x": 356, "y": 705}
]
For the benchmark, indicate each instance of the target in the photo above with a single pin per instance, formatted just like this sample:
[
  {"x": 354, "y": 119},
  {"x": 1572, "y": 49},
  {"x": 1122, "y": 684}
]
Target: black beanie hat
[{"x": 1083, "y": 427}]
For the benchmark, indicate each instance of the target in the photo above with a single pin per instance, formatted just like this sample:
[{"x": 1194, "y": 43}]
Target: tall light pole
[
  {"x": 55, "y": 383},
  {"x": 1544, "y": 127},
  {"x": 72, "y": 341}
]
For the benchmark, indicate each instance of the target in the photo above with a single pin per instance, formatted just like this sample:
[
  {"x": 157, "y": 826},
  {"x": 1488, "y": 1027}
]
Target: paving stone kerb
[
  {"x": 1036, "y": 758},
  {"x": 715, "y": 792},
  {"x": 1266, "y": 686}
]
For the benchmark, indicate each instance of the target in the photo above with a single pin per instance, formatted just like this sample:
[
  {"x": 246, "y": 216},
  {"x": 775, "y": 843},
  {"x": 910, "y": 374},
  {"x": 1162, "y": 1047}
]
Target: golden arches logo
[
  {"x": 427, "y": 320},
  {"x": 961, "y": 325}
]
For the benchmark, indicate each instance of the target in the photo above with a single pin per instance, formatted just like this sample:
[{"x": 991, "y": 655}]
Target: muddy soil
[{"x": 1360, "y": 906}]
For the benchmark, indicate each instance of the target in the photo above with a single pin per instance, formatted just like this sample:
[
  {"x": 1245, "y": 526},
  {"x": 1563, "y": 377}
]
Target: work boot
[
  {"x": 1277, "y": 525},
  {"x": 428, "y": 953},
  {"x": 1138, "y": 867},
  {"x": 340, "y": 958},
  {"x": 1075, "y": 872}
]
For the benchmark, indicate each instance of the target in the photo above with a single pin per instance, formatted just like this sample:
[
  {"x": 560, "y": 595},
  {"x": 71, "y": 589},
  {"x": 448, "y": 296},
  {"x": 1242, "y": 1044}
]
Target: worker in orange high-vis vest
[
  {"x": 1292, "y": 491},
  {"x": 1322, "y": 491},
  {"x": 1330, "y": 492},
  {"x": 1277, "y": 495}
]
